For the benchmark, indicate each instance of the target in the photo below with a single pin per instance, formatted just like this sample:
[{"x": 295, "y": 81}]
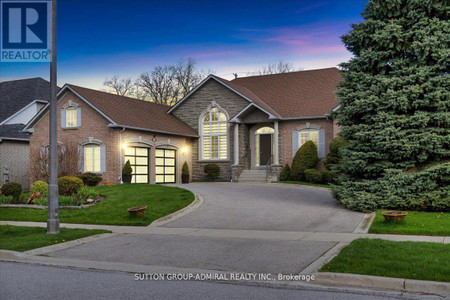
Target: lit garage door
[
  {"x": 138, "y": 158},
  {"x": 165, "y": 165}
]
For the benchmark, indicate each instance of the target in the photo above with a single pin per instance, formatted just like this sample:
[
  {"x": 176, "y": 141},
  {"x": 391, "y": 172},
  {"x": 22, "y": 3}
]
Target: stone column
[
  {"x": 236, "y": 144},
  {"x": 275, "y": 144}
]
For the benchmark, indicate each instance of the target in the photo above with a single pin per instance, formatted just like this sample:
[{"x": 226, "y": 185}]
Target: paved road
[
  {"x": 278, "y": 207},
  {"x": 23, "y": 281}
]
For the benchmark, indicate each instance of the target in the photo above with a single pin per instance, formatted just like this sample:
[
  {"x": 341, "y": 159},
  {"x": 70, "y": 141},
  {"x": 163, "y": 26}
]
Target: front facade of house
[{"x": 252, "y": 123}]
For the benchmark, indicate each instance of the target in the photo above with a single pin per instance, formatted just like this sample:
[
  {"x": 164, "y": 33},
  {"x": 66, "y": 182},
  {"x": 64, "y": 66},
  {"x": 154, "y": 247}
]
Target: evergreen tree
[{"x": 394, "y": 107}]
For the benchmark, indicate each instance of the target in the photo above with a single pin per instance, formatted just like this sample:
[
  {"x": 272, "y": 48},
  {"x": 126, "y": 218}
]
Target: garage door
[
  {"x": 165, "y": 166},
  {"x": 139, "y": 159}
]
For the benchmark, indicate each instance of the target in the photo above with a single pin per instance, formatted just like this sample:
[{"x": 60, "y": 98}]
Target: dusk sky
[{"x": 97, "y": 39}]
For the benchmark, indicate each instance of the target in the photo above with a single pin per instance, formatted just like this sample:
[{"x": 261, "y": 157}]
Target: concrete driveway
[
  {"x": 278, "y": 207},
  {"x": 239, "y": 227}
]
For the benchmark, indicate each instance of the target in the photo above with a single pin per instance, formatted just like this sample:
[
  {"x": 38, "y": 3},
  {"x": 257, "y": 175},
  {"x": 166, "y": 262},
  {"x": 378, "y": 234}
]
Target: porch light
[
  {"x": 184, "y": 150},
  {"x": 124, "y": 146}
]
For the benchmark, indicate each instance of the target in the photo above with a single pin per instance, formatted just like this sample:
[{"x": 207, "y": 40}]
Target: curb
[
  {"x": 379, "y": 282},
  {"x": 198, "y": 201},
  {"x": 364, "y": 226},
  {"x": 69, "y": 244},
  {"x": 322, "y": 281}
]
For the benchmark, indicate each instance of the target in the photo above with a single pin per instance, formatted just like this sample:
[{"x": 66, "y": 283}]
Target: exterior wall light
[{"x": 184, "y": 150}]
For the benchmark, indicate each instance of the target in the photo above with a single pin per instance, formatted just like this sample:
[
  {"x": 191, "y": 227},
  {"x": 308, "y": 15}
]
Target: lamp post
[{"x": 53, "y": 217}]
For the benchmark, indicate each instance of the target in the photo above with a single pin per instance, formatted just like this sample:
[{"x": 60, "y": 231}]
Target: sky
[{"x": 100, "y": 38}]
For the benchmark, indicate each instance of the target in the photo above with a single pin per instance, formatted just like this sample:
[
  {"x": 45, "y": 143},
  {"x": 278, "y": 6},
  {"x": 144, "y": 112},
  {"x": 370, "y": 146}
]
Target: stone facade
[
  {"x": 190, "y": 112},
  {"x": 14, "y": 155}
]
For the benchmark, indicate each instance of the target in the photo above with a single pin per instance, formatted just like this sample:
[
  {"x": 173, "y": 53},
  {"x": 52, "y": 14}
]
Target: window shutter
[
  {"x": 43, "y": 159},
  {"x": 103, "y": 158},
  {"x": 80, "y": 159},
  {"x": 63, "y": 118},
  {"x": 321, "y": 143},
  {"x": 294, "y": 142},
  {"x": 78, "y": 117}
]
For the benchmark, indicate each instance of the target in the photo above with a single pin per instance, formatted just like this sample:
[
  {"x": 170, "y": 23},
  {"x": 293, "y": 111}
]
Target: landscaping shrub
[
  {"x": 306, "y": 158},
  {"x": 91, "y": 179},
  {"x": 334, "y": 157},
  {"x": 62, "y": 201},
  {"x": 23, "y": 198},
  {"x": 69, "y": 185},
  {"x": 6, "y": 199},
  {"x": 329, "y": 177},
  {"x": 40, "y": 187},
  {"x": 127, "y": 170},
  {"x": 13, "y": 189},
  {"x": 185, "y": 169},
  {"x": 426, "y": 190},
  {"x": 314, "y": 176},
  {"x": 286, "y": 173},
  {"x": 212, "y": 171},
  {"x": 87, "y": 193}
]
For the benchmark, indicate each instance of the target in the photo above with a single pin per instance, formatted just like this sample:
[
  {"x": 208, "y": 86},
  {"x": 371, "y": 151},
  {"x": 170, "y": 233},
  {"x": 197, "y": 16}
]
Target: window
[
  {"x": 71, "y": 117},
  {"x": 92, "y": 158},
  {"x": 309, "y": 135},
  {"x": 214, "y": 135}
]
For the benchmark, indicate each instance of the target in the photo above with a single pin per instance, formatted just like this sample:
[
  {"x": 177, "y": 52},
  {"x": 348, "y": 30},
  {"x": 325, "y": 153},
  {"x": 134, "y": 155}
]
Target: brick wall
[
  {"x": 94, "y": 126},
  {"x": 285, "y": 138},
  {"x": 15, "y": 155},
  {"x": 189, "y": 112}
]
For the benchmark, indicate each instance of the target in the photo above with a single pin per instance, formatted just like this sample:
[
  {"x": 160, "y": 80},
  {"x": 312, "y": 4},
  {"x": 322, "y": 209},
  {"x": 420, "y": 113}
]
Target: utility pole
[{"x": 53, "y": 217}]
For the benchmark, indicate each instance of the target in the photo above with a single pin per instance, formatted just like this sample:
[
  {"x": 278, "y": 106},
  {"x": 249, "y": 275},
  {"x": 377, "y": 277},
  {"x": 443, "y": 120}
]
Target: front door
[{"x": 265, "y": 149}]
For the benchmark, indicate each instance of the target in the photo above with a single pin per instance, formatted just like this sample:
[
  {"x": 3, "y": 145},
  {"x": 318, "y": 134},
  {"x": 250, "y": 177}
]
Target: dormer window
[{"x": 71, "y": 115}]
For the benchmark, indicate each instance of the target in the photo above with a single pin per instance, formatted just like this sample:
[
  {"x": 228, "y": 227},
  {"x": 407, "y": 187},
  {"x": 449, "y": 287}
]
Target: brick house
[
  {"x": 20, "y": 101},
  {"x": 249, "y": 126}
]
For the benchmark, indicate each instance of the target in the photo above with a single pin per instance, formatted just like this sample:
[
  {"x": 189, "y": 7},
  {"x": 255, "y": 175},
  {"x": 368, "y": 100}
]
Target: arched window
[{"x": 214, "y": 139}]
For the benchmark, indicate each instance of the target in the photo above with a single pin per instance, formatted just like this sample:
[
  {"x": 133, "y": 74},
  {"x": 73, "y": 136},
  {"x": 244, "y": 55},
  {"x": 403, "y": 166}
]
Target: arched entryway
[{"x": 263, "y": 146}]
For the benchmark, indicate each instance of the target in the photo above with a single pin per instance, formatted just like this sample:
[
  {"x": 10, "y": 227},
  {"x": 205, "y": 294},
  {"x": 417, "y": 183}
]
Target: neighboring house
[
  {"x": 20, "y": 101},
  {"x": 253, "y": 123}
]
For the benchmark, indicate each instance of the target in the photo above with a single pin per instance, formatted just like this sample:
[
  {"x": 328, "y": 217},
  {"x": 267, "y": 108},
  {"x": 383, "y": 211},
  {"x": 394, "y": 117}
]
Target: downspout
[{"x": 120, "y": 154}]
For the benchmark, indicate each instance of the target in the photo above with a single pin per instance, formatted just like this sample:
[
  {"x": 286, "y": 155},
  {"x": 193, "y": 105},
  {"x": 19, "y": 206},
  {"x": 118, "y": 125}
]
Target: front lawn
[
  {"x": 304, "y": 183},
  {"x": 160, "y": 201},
  {"x": 416, "y": 223},
  {"x": 412, "y": 260},
  {"x": 26, "y": 238}
]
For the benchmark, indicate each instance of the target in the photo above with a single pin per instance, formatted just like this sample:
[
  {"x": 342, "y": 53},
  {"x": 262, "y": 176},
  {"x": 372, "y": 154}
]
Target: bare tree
[
  {"x": 160, "y": 85},
  {"x": 169, "y": 83},
  {"x": 276, "y": 68},
  {"x": 120, "y": 86}
]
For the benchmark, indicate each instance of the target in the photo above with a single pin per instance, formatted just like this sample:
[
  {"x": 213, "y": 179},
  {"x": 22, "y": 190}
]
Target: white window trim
[
  {"x": 309, "y": 136},
  {"x": 200, "y": 125},
  {"x": 91, "y": 146}
]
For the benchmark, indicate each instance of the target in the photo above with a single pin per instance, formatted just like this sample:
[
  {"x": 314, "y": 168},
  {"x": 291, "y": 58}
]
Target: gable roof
[
  {"x": 13, "y": 132},
  {"x": 296, "y": 94},
  {"x": 16, "y": 94},
  {"x": 127, "y": 112},
  {"x": 302, "y": 94}
]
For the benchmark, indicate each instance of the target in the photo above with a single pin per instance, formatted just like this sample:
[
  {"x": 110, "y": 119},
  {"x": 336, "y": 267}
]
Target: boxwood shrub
[
  {"x": 13, "y": 189},
  {"x": 306, "y": 158},
  {"x": 91, "y": 179},
  {"x": 212, "y": 171},
  {"x": 314, "y": 176},
  {"x": 69, "y": 185},
  {"x": 286, "y": 173},
  {"x": 40, "y": 187}
]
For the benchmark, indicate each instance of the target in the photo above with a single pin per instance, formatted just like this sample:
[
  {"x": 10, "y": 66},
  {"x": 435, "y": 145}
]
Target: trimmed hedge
[
  {"x": 69, "y": 185},
  {"x": 314, "y": 176},
  {"x": 13, "y": 189},
  {"x": 91, "y": 179},
  {"x": 427, "y": 190},
  {"x": 334, "y": 157},
  {"x": 40, "y": 187},
  {"x": 212, "y": 171},
  {"x": 286, "y": 173},
  {"x": 306, "y": 158}
]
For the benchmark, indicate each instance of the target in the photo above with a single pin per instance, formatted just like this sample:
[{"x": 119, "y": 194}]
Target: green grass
[
  {"x": 412, "y": 260},
  {"x": 160, "y": 201},
  {"x": 416, "y": 223},
  {"x": 304, "y": 183},
  {"x": 26, "y": 238}
]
